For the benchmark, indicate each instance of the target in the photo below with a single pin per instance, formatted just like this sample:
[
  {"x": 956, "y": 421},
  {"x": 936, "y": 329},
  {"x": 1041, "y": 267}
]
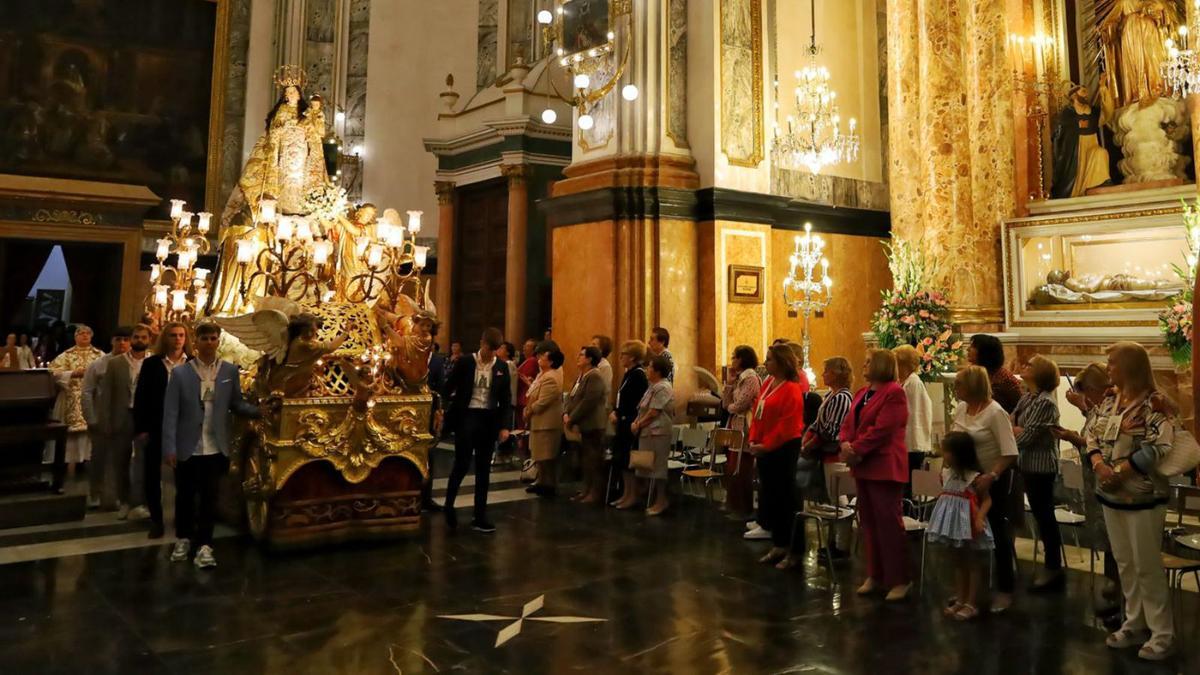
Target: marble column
[
  {"x": 951, "y": 147},
  {"x": 515, "y": 262},
  {"x": 445, "y": 261}
]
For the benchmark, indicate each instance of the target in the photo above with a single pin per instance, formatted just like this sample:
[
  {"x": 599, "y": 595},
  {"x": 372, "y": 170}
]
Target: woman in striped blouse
[
  {"x": 821, "y": 440},
  {"x": 1034, "y": 422}
]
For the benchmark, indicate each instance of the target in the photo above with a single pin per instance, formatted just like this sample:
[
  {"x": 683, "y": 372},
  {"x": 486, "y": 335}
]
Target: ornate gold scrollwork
[{"x": 359, "y": 442}]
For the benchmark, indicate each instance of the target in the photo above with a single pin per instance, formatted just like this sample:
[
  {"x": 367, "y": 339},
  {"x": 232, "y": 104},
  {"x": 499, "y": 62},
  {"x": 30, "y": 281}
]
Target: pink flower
[
  {"x": 928, "y": 341},
  {"x": 909, "y": 320},
  {"x": 924, "y": 314},
  {"x": 1181, "y": 308},
  {"x": 1173, "y": 324},
  {"x": 929, "y": 357}
]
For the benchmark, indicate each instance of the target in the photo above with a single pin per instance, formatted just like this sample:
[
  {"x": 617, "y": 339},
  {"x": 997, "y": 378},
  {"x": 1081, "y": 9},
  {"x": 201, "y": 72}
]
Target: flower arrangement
[
  {"x": 1175, "y": 321},
  {"x": 914, "y": 313},
  {"x": 326, "y": 202}
]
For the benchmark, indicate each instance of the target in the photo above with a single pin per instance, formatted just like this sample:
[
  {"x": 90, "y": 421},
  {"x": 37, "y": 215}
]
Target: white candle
[
  {"x": 360, "y": 244},
  {"x": 284, "y": 228},
  {"x": 201, "y": 298},
  {"x": 266, "y": 210},
  {"x": 375, "y": 256},
  {"x": 420, "y": 256},
  {"x": 321, "y": 251},
  {"x": 203, "y": 221},
  {"x": 303, "y": 230},
  {"x": 185, "y": 220},
  {"x": 245, "y": 251},
  {"x": 178, "y": 300},
  {"x": 160, "y": 295},
  {"x": 155, "y": 272},
  {"x": 414, "y": 221},
  {"x": 176, "y": 208},
  {"x": 164, "y": 249}
]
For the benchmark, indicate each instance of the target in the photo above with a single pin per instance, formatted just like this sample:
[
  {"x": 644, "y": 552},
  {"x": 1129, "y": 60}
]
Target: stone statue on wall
[{"x": 1080, "y": 161}]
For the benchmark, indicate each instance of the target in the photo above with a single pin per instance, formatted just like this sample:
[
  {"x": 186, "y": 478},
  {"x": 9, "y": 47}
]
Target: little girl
[{"x": 959, "y": 520}]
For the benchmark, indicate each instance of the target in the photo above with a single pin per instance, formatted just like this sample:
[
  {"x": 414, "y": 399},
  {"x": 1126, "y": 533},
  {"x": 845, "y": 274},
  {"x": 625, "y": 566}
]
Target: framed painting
[
  {"x": 745, "y": 284},
  {"x": 586, "y": 25}
]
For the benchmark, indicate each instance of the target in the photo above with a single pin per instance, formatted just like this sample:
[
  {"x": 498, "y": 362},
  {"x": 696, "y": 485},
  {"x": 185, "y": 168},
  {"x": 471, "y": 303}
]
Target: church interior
[{"x": 536, "y": 336}]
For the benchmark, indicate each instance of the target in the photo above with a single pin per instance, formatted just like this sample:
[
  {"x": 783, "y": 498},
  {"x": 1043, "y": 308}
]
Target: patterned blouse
[
  {"x": 1143, "y": 434},
  {"x": 1006, "y": 389},
  {"x": 1037, "y": 415},
  {"x": 739, "y": 397}
]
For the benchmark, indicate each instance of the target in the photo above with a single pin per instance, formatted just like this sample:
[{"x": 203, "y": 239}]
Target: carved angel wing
[
  {"x": 288, "y": 306},
  {"x": 265, "y": 330},
  {"x": 429, "y": 306}
]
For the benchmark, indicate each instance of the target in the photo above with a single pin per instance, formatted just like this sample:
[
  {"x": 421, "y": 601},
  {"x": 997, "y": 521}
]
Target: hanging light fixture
[
  {"x": 1181, "y": 71},
  {"x": 813, "y": 138}
]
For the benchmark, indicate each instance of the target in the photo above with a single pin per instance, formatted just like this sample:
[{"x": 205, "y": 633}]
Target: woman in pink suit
[{"x": 873, "y": 445}]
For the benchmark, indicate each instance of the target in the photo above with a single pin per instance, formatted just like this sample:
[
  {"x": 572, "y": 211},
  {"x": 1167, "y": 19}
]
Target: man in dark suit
[
  {"x": 173, "y": 349},
  {"x": 478, "y": 403}
]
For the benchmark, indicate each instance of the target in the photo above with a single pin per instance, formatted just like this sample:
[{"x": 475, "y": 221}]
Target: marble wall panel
[
  {"x": 580, "y": 305},
  {"x": 724, "y": 324},
  {"x": 951, "y": 155},
  {"x": 741, "y": 81},
  {"x": 234, "y": 113},
  {"x": 356, "y": 86},
  {"x": 677, "y": 50},
  {"x": 488, "y": 44},
  {"x": 859, "y": 270},
  {"x": 319, "y": 32},
  {"x": 676, "y": 298}
]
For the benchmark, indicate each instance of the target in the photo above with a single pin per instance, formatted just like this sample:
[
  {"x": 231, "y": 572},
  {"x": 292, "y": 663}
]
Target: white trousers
[{"x": 1136, "y": 539}]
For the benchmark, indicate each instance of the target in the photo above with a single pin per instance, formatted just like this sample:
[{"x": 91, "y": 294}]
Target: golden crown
[{"x": 289, "y": 76}]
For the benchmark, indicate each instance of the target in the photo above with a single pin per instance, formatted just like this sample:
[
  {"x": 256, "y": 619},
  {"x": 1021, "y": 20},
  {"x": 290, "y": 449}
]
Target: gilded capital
[
  {"x": 445, "y": 192},
  {"x": 515, "y": 173}
]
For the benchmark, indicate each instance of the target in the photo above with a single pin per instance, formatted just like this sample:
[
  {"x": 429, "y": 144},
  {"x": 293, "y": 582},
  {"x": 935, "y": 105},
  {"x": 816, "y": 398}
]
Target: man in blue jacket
[{"x": 200, "y": 397}]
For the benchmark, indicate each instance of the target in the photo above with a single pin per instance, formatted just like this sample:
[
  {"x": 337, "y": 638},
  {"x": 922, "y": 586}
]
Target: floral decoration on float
[{"x": 915, "y": 312}]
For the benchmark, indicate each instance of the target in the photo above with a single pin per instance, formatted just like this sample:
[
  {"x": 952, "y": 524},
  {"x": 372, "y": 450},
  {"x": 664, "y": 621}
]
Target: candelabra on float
[
  {"x": 180, "y": 291},
  {"x": 391, "y": 259},
  {"x": 1036, "y": 51},
  {"x": 805, "y": 289},
  {"x": 1181, "y": 72}
]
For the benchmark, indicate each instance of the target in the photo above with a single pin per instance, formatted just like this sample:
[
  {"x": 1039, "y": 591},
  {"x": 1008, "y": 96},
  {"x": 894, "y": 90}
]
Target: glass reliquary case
[{"x": 1112, "y": 269}]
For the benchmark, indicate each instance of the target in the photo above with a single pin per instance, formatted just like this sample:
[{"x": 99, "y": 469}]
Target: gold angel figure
[{"x": 287, "y": 338}]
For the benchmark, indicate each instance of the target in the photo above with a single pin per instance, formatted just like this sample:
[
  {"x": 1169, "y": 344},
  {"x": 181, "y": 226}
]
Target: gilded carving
[
  {"x": 64, "y": 216},
  {"x": 741, "y": 82},
  {"x": 360, "y": 442}
]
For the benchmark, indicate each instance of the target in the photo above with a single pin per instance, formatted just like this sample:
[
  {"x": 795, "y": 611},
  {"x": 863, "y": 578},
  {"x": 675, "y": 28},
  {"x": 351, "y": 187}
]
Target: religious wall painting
[
  {"x": 741, "y": 82},
  {"x": 488, "y": 43},
  {"x": 586, "y": 25},
  {"x": 108, "y": 90}
]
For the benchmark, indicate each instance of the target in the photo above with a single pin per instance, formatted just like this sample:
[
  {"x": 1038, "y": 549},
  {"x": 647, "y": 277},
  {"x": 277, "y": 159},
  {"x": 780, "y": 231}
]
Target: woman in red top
[
  {"x": 776, "y": 429},
  {"x": 873, "y": 445}
]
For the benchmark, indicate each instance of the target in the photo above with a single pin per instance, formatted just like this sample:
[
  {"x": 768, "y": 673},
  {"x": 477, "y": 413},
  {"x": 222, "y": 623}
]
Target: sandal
[
  {"x": 966, "y": 612},
  {"x": 951, "y": 609},
  {"x": 788, "y": 562}
]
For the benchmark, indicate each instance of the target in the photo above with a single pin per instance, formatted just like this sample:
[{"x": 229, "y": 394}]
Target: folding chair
[
  {"x": 926, "y": 487},
  {"x": 1072, "y": 515},
  {"x": 708, "y": 473},
  {"x": 841, "y": 485}
]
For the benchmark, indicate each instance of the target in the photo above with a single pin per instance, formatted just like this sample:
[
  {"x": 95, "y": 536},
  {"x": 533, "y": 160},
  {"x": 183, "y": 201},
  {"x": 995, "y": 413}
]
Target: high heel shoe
[
  {"x": 898, "y": 593},
  {"x": 788, "y": 562},
  {"x": 773, "y": 556}
]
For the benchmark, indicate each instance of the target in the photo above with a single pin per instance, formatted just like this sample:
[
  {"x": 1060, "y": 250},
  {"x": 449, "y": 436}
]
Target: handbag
[
  {"x": 529, "y": 471},
  {"x": 641, "y": 460},
  {"x": 1183, "y": 456}
]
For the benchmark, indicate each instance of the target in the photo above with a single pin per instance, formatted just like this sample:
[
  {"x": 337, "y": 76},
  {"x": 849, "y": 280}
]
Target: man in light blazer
[
  {"x": 200, "y": 397},
  {"x": 114, "y": 412}
]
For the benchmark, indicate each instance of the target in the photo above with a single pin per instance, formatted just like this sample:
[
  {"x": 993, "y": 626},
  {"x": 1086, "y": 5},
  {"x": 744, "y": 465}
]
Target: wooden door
[{"x": 480, "y": 254}]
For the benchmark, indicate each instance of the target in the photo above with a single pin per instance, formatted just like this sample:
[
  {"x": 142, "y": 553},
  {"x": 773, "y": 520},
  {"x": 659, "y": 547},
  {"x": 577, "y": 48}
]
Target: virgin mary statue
[{"x": 285, "y": 164}]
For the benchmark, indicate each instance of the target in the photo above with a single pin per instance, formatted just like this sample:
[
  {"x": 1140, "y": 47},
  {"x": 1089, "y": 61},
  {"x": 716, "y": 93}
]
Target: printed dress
[{"x": 952, "y": 521}]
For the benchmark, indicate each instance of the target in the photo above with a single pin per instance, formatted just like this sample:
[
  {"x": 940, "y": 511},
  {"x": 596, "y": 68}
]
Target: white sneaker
[
  {"x": 1156, "y": 650},
  {"x": 123, "y": 512},
  {"x": 1124, "y": 639},
  {"x": 139, "y": 513},
  {"x": 204, "y": 558},
  {"x": 181, "y": 549},
  {"x": 757, "y": 533}
]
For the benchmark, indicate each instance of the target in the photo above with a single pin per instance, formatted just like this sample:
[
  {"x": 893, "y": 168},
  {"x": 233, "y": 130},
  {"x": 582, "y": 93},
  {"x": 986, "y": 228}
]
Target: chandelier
[
  {"x": 180, "y": 291},
  {"x": 1181, "y": 70},
  {"x": 807, "y": 289},
  {"x": 582, "y": 36},
  {"x": 814, "y": 137}
]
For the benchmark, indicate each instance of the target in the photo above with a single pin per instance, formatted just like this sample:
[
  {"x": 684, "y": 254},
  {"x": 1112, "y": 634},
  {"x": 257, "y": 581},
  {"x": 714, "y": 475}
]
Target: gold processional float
[{"x": 324, "y": 309}]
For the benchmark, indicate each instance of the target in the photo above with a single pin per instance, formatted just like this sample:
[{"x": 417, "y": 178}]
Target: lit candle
[
  {"x": 360, "y": 244},
  {"x": 284, "y": 228},
  {"x": 185, "y": 220},
  {"x": 375, "y": 256},
  {"x": 160, "y": 295},
  {"x": 383, "y": 230},
  {"x": 201, "y": 298},
  {"x": 321, "y": 251},
  {"x": 176, "y": 208},
  {"x": 203, "y": 221},
  {"x": 420, "y": 256},
  {"x": 164, "y": 249},
  {"x": 201, "y": 276},
  {"x": 245, "y": 251},
  {"x": 303, "y": 230},
  {"x": 155, "y": 272},
  {"x": 266, "y": 210},
  {"x": 414, "y": 221},
  {"x": 178, "y": 300}
]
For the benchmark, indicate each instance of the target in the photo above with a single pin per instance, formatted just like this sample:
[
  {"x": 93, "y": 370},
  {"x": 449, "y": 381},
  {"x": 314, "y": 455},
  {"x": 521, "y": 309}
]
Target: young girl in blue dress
[{"x": 959, "y": 521}]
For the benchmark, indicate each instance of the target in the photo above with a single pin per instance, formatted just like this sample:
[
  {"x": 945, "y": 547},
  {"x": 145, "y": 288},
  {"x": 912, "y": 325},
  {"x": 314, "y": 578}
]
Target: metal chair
[
  {"x": 841, "y": 484},
  {"x": 1072, "y": 515},
  {"x": 708, "y": 472},
  {"x": 926, "y": 486}
]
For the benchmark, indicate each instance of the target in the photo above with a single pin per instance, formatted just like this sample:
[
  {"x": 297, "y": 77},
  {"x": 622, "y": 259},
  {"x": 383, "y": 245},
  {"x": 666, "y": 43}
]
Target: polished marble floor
[{"x": 600, "y": 591}]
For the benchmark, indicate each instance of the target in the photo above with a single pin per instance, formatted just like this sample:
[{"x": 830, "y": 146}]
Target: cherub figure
[
  {"x": 288, "y": 339},
  {"x": 410, "y": 339}
]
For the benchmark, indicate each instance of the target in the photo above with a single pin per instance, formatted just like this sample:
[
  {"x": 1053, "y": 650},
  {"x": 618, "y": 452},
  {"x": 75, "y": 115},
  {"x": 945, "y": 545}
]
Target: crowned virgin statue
[{"x": 286, "y": 164}]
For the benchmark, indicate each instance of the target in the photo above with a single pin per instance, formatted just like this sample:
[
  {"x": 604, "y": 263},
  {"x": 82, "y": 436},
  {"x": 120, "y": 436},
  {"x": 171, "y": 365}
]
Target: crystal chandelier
[
  {"x": 814, "y": 137},
  {"x": 1181, "y": 71}
]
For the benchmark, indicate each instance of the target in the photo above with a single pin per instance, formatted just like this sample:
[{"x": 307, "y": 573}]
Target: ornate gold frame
[
  {"x": 1009, "y": 266},
  {"x": 756, "y": 52},
  {"x": 216, "y": 110}
]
